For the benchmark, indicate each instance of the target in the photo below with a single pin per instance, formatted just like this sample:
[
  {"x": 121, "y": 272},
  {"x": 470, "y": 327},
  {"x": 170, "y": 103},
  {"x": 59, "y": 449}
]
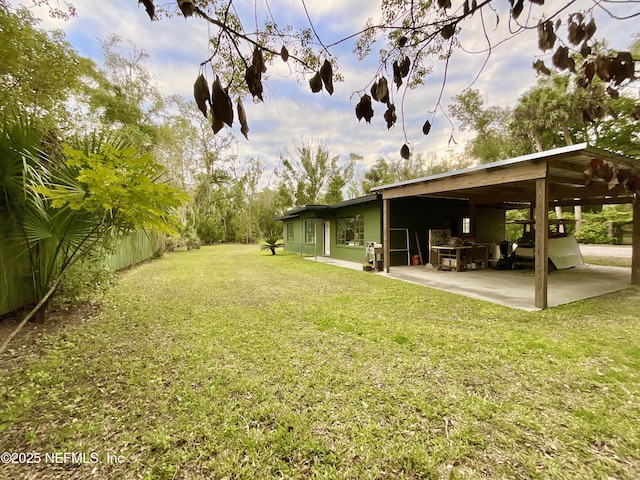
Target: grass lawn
[
  {"x": 228, "y": 363},
  {"x": 609, "y": 261}
]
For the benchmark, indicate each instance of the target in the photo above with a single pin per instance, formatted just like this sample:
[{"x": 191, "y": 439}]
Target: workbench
[{"x": 457, "y": 258}]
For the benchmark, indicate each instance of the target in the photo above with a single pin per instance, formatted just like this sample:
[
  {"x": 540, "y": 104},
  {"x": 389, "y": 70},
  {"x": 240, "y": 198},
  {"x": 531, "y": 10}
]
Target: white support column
[{"x": 386, "y": 235}]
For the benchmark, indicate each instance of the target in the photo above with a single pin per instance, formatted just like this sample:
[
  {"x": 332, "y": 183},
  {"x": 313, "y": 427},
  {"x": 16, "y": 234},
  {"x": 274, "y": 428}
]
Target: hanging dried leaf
[
  {"x": 589, "y": 70},
  {"x": 404, "y": 67},
  {"x": 596, "y": 163},
  {"x": 613, "y": 93},
  {"x": 546, "y": 35},
  {"x": 405, "y": 152},
  {"x": 374, "y": 91},
  {"x": 585, "y": 50},
  {"x": 242, "y": 118},
  {"x": 561, "y": 58},
  {"x": 426, "y": 128},
  {"x": 448, "y": 31},
  {"x": 390, "y": 115},
  {"x": 465, "y": 8},
  {"x": 186, "y": 7},
  {"x": 589, "y": 30},
  {"x": 216, "y": 125},
  {"x": 576, "y": 33},
  {"x": 622, "y": 67},
  {"x": 382, "y": 90},
  {"x": 444, "y": 3},
  {"x": 316, "y": 83},
  {"x": 397, "y": 74},
  {"x": 402, "y": 41},
  {"x": 258, "y": 60},
  {"x": 253, "y": 77},
  {"x": 201, "y": 94},
  {"x": 221, "y": 103},
  {"x": 588, "y": 175},
  {"x": 284, "y": 53},
  {"x": 537, "y": 2},
  {"x": 149, "y": 7},
  {"x": 364, "y": 108},
  {"x": 541, "y": 67},
  {"x": 326, "y": 73},
  {"x": 516, "y": 10},
  {"x": 613, "y": 175},
  {"x": 584, "y": 116},
  {"x": 604, "y": 171},
  {"x": 603, "y": 65}
]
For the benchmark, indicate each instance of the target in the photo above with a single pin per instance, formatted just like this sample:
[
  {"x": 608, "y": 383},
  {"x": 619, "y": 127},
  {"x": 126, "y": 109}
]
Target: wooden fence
[{"x": 16, "y": 289}]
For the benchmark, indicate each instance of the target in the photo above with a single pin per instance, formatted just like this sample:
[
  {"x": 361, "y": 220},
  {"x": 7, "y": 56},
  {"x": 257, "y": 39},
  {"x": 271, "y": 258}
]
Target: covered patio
[
  {"x": 511, "y": 288},
  {"x": 566, "y": 176}
]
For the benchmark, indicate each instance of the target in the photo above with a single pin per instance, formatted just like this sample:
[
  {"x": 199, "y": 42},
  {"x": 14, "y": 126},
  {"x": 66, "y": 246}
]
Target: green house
[{"x": 341, "y": 230}]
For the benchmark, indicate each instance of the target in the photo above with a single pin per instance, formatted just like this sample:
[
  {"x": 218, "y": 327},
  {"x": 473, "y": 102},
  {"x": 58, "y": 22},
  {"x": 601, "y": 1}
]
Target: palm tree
[
  {"x": 62, "y": 202},
  {"x": 271, "y": 242}
]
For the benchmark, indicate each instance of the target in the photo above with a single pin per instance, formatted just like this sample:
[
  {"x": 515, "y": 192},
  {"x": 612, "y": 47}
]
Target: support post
[
  {"x": 635, "y": 242},
  {"x": 542, "y": 242},
  {"x": 387, "y": 237}
]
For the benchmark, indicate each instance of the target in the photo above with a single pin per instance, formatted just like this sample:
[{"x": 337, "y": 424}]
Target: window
[
  {"x": 309, "y": 231},
  {"x": 350, "y": 231},
  {"x": 466, "y": 225},
  {"x": 290, "y": 234}
]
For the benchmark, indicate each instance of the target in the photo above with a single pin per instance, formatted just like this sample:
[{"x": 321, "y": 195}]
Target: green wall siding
[
  {"x": 417, "y": 214},
  {"x": 372, "y": 232}
]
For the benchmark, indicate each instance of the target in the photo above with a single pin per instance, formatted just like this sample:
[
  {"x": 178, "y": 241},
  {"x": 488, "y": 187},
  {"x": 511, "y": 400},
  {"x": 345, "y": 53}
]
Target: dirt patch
[{"x": 25, "y": 344}]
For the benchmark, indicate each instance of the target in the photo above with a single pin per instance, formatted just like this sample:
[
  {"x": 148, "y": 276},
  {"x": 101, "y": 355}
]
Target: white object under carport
[{"x": 564, "y": 252}]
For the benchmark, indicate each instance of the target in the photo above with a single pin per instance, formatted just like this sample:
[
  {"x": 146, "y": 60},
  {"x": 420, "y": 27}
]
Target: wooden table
[{"x": 457, "y": 258}]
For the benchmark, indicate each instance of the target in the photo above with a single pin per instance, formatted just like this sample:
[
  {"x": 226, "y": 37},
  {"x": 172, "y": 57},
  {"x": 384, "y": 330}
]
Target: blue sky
[{"x": 177, "y": 46}]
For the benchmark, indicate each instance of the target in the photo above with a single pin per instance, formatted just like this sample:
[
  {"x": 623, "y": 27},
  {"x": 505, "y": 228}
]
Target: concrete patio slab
[{"x": 511, "y": 288}]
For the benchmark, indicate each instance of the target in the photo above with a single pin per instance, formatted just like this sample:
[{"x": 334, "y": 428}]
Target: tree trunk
[
  {"x": 536, "y": 140},
  {"x": 561, "y": 228},
  {"x": 577, "y": 210}
]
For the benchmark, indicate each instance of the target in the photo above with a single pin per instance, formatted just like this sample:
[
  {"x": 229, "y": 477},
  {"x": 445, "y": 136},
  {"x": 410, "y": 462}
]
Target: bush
[
  {"x": 85, "y": 280},
  {"x": 595, "y": 227},
  {"x": 594, "y": 230},
  {"x": 208, "y": 230}
]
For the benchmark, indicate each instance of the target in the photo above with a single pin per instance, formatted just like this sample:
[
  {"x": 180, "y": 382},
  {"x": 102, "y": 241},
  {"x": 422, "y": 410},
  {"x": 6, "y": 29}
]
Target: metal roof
[
  {"x": 580, "y": 149},
  {"x": 513, "y": 180}
]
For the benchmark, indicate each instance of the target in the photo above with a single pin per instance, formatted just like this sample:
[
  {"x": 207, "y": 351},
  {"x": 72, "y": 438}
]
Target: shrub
[{"x": 87, "y": 279}]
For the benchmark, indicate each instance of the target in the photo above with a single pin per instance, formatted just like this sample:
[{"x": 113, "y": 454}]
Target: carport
[{"x": 575, "y": 175}]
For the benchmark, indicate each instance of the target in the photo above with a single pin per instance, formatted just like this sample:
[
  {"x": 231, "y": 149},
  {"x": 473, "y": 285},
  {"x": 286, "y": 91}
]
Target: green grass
[
  {"x": 226, "y": 362},
  {"x": 608, "y": 261}
]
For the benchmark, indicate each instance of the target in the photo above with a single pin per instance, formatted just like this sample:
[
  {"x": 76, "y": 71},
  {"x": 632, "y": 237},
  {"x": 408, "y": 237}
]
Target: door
[{"x": 326, "y": 238}]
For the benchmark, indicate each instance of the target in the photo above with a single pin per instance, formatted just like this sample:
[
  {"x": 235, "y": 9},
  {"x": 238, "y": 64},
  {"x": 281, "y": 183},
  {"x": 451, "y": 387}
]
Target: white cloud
[{"x": 177, "y": 46}]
